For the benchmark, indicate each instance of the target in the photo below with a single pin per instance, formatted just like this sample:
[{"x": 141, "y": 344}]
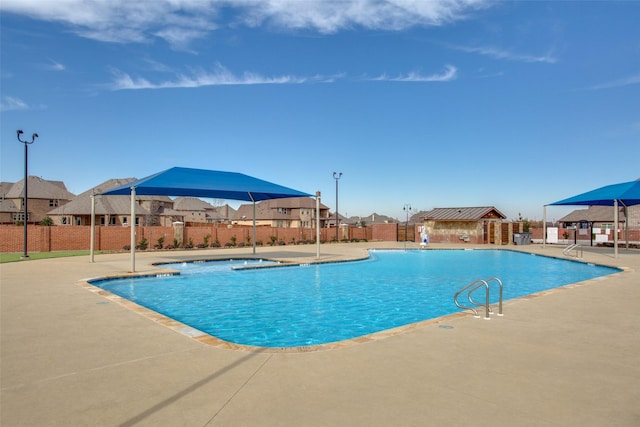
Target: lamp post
[
  {"x": 407, "y": 209},
  {"x": 337, "y": 176},
  {"x": 26, "y": 185}
]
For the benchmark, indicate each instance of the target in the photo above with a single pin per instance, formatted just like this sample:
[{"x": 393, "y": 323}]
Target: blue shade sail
[
  {"x": 628, "y": 193},
  {"x": 212, "y": 184}
]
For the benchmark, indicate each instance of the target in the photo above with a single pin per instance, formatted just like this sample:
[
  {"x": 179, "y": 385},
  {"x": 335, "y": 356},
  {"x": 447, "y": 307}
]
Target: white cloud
[
  {"x": 498, "y": 53},
  {"x": 449, "y": 73},
  {"x": 10, "y": 103},
  {"x": 181, "y": 21},
  {"x": 219, "y": 76},
  {"x": 626, "y": 81},
  {"x": 55, "y": 66}
]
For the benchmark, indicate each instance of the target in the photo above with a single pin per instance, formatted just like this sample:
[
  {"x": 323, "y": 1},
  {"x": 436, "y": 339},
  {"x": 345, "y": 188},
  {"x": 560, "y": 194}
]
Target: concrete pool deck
[{"x": 70, "y": 357}]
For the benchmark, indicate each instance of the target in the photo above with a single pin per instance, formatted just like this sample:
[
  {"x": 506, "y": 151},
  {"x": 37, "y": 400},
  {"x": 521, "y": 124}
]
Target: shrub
[
  {"x": 233, "y": 240},
  {"x": 143, "y": 244},
  {"x": 160, "y": 243},
  {"x": 47, "y": 221},
  {"x": 206, "y": 241},
  {"x": 273, "y": 240}
]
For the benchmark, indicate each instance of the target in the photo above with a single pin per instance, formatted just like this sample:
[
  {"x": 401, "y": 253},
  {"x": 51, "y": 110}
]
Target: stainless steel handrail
[{"x": 471, "y": 288}]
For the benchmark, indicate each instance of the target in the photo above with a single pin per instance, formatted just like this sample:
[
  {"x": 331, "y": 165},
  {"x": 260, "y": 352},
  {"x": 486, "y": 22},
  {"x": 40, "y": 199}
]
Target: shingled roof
[
  {"x": 463, "y": 214},
  {"x": 40, "y": 188},
  {"x": 105, "y": 205},
  {"x": 593, "y": 214}
]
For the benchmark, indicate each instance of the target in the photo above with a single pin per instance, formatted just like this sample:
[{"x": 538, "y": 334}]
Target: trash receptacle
[
  {"x": 517, "y": 238},
  {"x": 526, "y": 238}
]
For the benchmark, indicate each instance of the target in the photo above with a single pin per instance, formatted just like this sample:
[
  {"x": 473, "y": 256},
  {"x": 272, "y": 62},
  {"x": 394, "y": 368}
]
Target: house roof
[
  {"x": 8, "y": 206},
  {"x": 191, "y": 204},
  {"x": 4, "y": 188},
  {"x": 40, "y": 189},
  {"x": 268, "y": 209},
  {"x": 593, "y": 214},
  {"x": 105, "y": 205},
  {"x": 463, "y": 214}
]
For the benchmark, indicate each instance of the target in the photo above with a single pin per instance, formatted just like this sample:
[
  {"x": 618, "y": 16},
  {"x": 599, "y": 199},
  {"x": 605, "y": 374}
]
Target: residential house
[
  {"x": 593, "y": 216},
  {"x": 365, "y": 221},
  {"x": 465, "y": 225},
  {"x": 597, "y": 222},
  {"x": 293, "y": 212},
  {"x": 115, "y": 210},
  {"x": 195, "y": 210},
  {"x": 43, "y": 195}
]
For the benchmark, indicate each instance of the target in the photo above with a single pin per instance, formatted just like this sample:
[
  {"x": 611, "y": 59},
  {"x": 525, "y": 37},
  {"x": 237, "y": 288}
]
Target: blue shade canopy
[
  {"x": 179, "y": 181},
  {"x": 628, "y": 193}
]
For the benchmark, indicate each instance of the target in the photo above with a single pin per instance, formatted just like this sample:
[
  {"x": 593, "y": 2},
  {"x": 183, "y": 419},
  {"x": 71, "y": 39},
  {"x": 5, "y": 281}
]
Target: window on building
[
  {"x": 53, "y": 203},
  {"x": 19, "y": 217},
  {"x": 112, "y": 220}
]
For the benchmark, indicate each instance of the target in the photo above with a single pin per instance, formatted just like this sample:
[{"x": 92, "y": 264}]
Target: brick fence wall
[{"x": 71, "y": 237}]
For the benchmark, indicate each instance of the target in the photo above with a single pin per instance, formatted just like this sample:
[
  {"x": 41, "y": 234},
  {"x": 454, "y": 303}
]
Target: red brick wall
[
  {"x": 113, "y": 238},
  {"x": 384, "y": 232}
]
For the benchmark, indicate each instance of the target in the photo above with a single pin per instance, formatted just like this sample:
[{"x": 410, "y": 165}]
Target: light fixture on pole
[
  {"x": 336, "y": 176},
  {"x": 26, "y": 186},
  {"x": 407, "y": 209}
]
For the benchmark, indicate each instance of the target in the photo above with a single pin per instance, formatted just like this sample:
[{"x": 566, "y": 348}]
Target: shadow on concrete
[{"x": 157, "y": 407}]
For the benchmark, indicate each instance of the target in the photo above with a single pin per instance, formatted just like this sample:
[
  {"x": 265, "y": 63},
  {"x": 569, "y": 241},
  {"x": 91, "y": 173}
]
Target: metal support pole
[
  {"x": 93, "y": 227},
  {"x": 26, "y": 187},
  {"x": 337, "y": 176},
  {"x": 317, "y": 224},
  {"x": 407, "y": 209},
  {"x": 133, "y": 229}
]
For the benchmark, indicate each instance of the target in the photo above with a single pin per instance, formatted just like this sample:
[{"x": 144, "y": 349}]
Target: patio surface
[{"x": 71, "y": 357}]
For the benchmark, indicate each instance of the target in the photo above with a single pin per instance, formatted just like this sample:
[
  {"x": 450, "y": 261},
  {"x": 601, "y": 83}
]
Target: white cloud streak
[
  {"x": 55, "y": 66},
  {"x": 10, "y": 103},
  {"x": 626, "y": 81},
  {"x": 179, "y": 22},
  {"x": 507, "y": 55},
  {"x": 450, "y": 73},
  {"x": 219, "y": 76}
]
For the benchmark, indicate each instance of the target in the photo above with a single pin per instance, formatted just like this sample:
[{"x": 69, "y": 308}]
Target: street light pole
[
  {"x": 337, "y": 176},
  {"x": 407, "y": 209},
  {"x": 26, "y": 185}
]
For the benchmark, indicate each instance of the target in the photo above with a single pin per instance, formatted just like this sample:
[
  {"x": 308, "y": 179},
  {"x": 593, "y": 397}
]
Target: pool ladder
[
  {"x": 474, "y": 286},
  {"x": 574, "y": 247}
]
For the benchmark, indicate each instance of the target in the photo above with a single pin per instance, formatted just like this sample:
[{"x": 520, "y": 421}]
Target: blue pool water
[{"x": 321, "y": 303}]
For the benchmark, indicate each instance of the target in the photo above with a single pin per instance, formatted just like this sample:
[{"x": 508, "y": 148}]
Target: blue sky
[{"x": 431, "y": 104}]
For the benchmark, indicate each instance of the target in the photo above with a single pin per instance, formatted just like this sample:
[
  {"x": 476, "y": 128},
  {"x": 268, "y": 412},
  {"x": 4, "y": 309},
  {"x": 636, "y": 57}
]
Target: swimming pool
[{"x": 322, "y": 303}]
